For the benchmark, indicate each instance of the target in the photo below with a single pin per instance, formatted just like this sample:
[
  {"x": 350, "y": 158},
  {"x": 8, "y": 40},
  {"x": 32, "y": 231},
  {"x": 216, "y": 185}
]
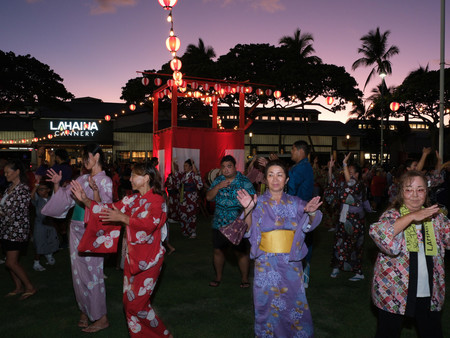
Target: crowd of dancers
[{"x": 103, "y": 209}]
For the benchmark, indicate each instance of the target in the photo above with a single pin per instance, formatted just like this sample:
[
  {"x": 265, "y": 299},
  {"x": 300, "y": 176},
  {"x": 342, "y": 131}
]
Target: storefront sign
[{"x": 69, "y": 131}]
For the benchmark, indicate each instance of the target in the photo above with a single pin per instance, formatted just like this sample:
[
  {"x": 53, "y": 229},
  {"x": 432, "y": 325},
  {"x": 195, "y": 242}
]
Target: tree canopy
[
  {"x": 26, "y": 83},
  {"x": 290, "y": 67}
]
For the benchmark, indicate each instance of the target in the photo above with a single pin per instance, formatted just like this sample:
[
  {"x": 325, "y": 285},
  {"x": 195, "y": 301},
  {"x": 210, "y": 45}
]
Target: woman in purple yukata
[
  {"x": 87, "y": 270},
  {"x": 277, "y": 228}
]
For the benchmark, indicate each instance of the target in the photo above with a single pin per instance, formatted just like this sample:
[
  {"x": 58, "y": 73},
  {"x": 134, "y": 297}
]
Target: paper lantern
[
  {"x": 170, "y": 82},
  {"x": 394, "y": 106},
  {"x": 107, "y": 118},
  {"x": 277, "y": 94},
  {"x": 259, "y": 91},
  {"x": 177, "y": 76},
  {"x": 145, "y": 81},
  {"x": 173, "y": 44},
  {"x": 132, "y": 107},
  {"x": 197, "y": 94},
  {"x": 233, "y": 90},
  {"x": 330, "y": 100},
  {"x": 179, "y": 82},
  {"x": 217, "y": 87},
  {"x": 206, "y": 86},
  {"x": 175, "y": 64},
  {"x": 67, "y": 131},
  {"x": 248, "y": 89},
  {"x": 34, "y": 140},
  {"x": 160, "y": 95},
  {"x": 268, "y": 92},
  {"x": 158, "y": 81},
  {"x": 194, "y": 85},
  {"x": 49, "y": 136},
  {"x": 167, "y": 4}
]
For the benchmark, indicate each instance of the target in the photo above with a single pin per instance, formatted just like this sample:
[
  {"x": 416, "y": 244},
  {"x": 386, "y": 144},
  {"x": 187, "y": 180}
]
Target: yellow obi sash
[{"x": 277, "y": 241}]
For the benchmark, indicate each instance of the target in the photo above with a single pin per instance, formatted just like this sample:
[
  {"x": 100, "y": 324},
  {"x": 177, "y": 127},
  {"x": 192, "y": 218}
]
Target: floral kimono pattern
[
  {"x": 391, "y": 271},
  {"x": 144, "y": 259},
  {"x": 15, "y": 221},
  {"x": 281, "y": 307},
  {"x": 173, "y": 193},
  {"x": 190, "y": 184},
  {"x": 349, "y": 235}
]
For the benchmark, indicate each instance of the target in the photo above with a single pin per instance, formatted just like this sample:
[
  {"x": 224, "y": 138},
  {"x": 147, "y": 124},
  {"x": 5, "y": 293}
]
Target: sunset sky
[{"x": 96, "y": 46}]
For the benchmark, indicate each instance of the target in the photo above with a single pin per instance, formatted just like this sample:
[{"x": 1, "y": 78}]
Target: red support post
[
  {"x": 214, "y": 117},
  {"x": 241, "y": 110},
  {"x": 174, "y": 105},
  {"x": 155, "y": 112}
]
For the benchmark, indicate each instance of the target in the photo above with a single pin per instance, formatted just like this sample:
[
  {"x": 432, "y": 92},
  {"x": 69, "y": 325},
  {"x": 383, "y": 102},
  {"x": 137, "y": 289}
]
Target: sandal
[
  {"x": 27, "y": 295},
  {"x": 13, "y": 293},
  {"x": 244, "y": 285},
  {"x": 214, "y": 283},
  {"x": 94, "y": 328}
]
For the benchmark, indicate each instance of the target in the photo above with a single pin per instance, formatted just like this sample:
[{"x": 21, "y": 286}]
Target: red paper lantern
[
  {"x": 173, "y": 44},
  {"x": 268, "y": 92},
  {"x": 228, "y": 89},
  {"x": 330, "y": 100},
  {"x": 107, "y": 118},
  {"x": 394, "y": 106},
  {"x": 34, "y": 140},
  {"x": 175, "y": 64},
  {"x": 50, "y": 136},
  {"x": 249, "y": 89},
  {"x": 1, "y": 141},
  {"x": 217, "y": 87},
  {"x": 170, "y": 82},
  {"x": 277, "y": 94},
  {"x": 179, "y": 82},
  {"x": 132, "y": 107},
  {"x": 167, "y": 4},
  {"x": 197, "y": 94},
  {"x": 67, "y": 131},
  {"x": 194, "y": 85},
  {"x": 145, "y": 81},
  {"x": 259, "y": 91},
  {"x": 206, "y": 86},
  {"x": 233, "y": 90},
  {"x": 177, "y": 76},
  {"x": 158, "y": 81}
]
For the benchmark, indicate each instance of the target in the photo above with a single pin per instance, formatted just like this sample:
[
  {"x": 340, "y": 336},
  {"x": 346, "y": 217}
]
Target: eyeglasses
[{"x": 411, "y": 191}]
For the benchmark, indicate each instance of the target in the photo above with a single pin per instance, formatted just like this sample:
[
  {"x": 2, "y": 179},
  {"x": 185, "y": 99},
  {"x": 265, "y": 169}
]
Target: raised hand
[
  {"x": 313, "y": 205},
  {"x": 53, "y": 176},
  {"x": 78, "y": 191},
  {"x": 346, "y": 158},
  {"x": 245, "y": 199},
  {"x": 424, "y": 213},
  {"x": 92, "y": 184}
]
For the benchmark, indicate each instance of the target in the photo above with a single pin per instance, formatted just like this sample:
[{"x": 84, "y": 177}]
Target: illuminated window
[
  {"x": 265, "y": 118},
  {"x": 289, "y": 118}
]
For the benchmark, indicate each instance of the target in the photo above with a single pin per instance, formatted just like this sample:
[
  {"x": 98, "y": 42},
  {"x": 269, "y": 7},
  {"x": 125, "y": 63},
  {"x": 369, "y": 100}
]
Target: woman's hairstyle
[
  {"x": 16, "y": 164},
  {"x": 357, "y": 170},
  {"x": 188, "y": 161},
  {"x": 277, "y": 163},
  {"x": 143, "y": 169},
  {"x": 94, "y": 149},
  {"x": 405, "y": 180}
]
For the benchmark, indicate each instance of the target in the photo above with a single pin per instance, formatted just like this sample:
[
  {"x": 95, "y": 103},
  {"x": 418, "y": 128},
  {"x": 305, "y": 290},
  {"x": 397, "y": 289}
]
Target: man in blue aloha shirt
[
  {"x": 301, "y": 184},
  {"x": 224, "y": 191}
]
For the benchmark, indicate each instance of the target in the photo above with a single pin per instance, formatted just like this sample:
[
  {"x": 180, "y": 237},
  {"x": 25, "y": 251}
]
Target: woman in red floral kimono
[{"x": 144, "y": 215}]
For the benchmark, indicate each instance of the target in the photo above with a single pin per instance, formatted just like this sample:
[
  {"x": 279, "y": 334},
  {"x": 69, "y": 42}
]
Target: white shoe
[
  {"x": 334, "y": 273},
  {"x": 37, "y": 266},
  {"x": 50, "y": 259},
  {"x": 356, "y": 278}
]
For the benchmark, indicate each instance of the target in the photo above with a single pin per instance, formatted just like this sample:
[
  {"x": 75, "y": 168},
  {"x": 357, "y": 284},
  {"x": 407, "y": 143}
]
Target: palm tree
[
  {"x": 200, "y": 52},
  {"x": 301, "y": 45},
  {"x": 376, "y": 52}
]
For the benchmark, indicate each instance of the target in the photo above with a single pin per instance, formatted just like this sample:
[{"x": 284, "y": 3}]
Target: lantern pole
[
  {"x": 383, "y": 84},
  {"x": 441, "y": 82}
]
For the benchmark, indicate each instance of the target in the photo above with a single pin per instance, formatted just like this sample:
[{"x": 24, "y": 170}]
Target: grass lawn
[{"x": 185, "y": 302}]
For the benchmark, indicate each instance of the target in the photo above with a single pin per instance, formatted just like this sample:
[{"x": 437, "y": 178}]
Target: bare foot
[
  {"x": 98, "y": 325},
  {"x": 84, "y": 321}
]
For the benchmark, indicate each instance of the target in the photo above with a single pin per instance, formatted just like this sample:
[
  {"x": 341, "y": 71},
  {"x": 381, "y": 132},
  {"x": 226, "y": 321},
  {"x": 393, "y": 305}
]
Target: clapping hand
[
  {"x": 78, "y": 191},
  {"x": 245, "y": 199}
]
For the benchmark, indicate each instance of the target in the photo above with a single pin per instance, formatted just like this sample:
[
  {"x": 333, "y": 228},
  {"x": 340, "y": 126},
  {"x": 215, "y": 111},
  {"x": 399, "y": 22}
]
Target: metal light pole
[
  {"x": 383, "y": 84},
  {"x": 348, "y": 141},
  {"x": 250, "y": 136},
  {"x": 441, "y": 82}
]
